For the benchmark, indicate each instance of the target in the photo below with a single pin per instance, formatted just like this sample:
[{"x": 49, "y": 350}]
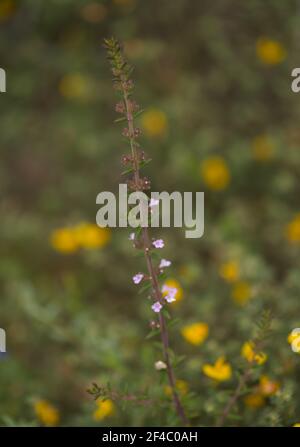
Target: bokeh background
[{"x": 214, "y": 79}]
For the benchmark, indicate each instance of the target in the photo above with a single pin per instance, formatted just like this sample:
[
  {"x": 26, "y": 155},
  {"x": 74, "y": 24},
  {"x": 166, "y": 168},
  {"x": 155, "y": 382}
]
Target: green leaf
[
  {"x": 119, "y": 120},
  {"x": 166, "y": 313},
  {"x": 145, "y": 288},
  {"x": 145, "y": 162},
  {"x": 131, "y": 169},
  {"x": 139, "y": 112},
  {"x": 152, "y": 334},
  {"x": 178, "y": 359},
  {"x": 127, "y": 171},
  {"x": 139, "y": 254},
  {"x": 173, "y": 322}
]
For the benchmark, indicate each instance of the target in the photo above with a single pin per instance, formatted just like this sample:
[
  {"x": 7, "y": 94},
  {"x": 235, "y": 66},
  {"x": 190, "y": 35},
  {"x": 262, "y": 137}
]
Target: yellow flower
[
  {"x": 173, "y": 283},
  {"x": 241, "y": 292},
  {"x": 154, "y": 122},
  {"x": 105, "y": 408},
  {"x": 250, "y": 355},
  {"x": 269, "y": 51},
  {"x": 181, "y": 386},
  {"x": 254, "y": 400},
  {"x": 84, "y": 235},
  {"x": 195, "y": 333},
  {"x": 64, "y": 240},
  {"x": 292, "y": 338},
  {"x": 46, "y": 413},
  {"x": 220, "y": 371},
  {"x": 268, "y": 387},
  {"x": 297, "y": 424},
  {"x": 74, "y": 86},
  {"x": 230, "y": 271},
  {"x": 293, "y": 230},
  {"x": 262, "y": 148},
  {"x": 7, "y": 9},
  {"x": 91, "y": 236},
  {"x": 215, "y": 173}
]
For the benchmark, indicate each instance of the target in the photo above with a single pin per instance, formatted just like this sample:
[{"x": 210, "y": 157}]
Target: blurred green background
[{"x": 220, "y": 117}]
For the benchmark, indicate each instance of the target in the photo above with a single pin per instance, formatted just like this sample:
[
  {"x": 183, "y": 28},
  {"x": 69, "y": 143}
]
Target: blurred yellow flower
[
  {"x": 195, "y": 333},
  {"x": 91, "y": 236},
  {"x": 105, "y": 408},
  {"x": 270, "y": 52},
  {"x": 254, "y": 400},
  {"x": 250, "y": 355},
  {"x": 64, "y": 240},
  {"x": 297, "y": 424},
  {"x": 268, "y": 387},
  {"x": 181, "y": 386},
  {"x": 7, "y": 9},
  {"x": 154, "y": 122},
  {"x": 74, "y": 86},
  {"x": 94, "y": 12},
  {"x": 220, "y": 371},
  {"x": 292, "y": 337},
  {"x": 230, "y": 271},
  {"x": 215, "y": 173},
  {"x": 46, "y": 413},
  {"x": 173, "y": 283},
  {"x": 292, "y": 230},
  {"x": 262, "y": 148},
  {"x": 241, "y": 292},
  {"x": 83, "y": 235}
]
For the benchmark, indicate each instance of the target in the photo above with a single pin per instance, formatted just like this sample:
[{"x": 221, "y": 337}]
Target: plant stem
[
  {"x": 263, "y": 330},
  {"x": 163, "y": 332},
  {"x": 152, "y": 273},
  {"x": 232, "y": 401}
]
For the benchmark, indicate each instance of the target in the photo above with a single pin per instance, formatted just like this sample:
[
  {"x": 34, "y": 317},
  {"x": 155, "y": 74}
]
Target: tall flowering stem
[{"x": 128, "y": 109}]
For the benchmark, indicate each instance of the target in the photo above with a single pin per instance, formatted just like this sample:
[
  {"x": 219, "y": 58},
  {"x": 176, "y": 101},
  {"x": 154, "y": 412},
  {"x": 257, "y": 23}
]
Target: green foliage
[{"x": 74, "y": 319}]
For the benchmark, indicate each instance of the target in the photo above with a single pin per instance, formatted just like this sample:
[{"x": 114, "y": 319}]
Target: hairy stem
[
  {"x": 163, "y": 332},
  {"x": 152, "y": 273}
]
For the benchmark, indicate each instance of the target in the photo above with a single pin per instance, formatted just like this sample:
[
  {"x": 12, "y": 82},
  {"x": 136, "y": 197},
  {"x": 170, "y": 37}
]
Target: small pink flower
[
  {"x": 159, "y": 243},
  {"x": 170, "y": 298},
  {"x": 171, "y": 293},
  {"x": 165, "y": 288},
  {"x": 156, "y": 307},
  {"x": 138, "y": 278},
  {"x": 164, "y": 263}
]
